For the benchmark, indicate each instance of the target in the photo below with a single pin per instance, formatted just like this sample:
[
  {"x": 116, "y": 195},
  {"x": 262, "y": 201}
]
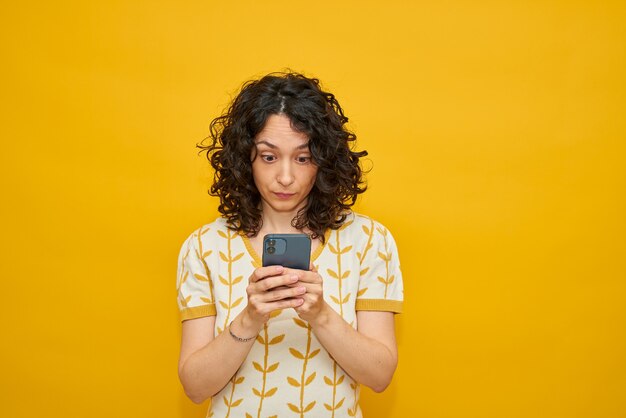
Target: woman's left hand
[{"x": 314, "y": 303}]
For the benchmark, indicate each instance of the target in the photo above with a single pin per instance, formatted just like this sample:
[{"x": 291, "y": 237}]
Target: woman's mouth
[{"x": 284, "y": 196}]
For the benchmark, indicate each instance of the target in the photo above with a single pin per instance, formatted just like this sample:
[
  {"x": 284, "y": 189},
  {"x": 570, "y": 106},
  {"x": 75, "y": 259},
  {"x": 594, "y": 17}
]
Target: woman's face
[{"x": 283, "y": 171}]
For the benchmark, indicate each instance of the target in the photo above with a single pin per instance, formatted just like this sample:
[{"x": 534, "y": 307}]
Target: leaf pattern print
[
  {"x": 355, "y": 407},
  {"x": 184, "y": 274},
  {"x": 229, "y": 402},
  {"x": 304, "y": 379},
  {"x": 334, "y": 382},
  {"x": 230, "y": 282},
  {"x": 265, "y": 368},
  {"x": 369, "y": 232},
  {"x": 339, "y": 275},
  {"x": 202, "y": 255},
  {"x": 386, "y": 256}
]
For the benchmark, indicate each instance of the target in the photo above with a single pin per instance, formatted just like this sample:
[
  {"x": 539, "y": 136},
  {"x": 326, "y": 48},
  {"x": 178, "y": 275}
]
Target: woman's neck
[{"x": 277, "y": 222}]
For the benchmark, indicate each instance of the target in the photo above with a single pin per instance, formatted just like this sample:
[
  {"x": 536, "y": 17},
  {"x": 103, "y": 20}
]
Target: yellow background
[{"x": 496, "y": 133}]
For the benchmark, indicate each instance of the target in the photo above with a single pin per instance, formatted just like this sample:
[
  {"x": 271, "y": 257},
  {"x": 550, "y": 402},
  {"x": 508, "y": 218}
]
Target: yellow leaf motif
[
  {"x": 332, "y": 249},
  {"x": 277, "y": 339},
  {"x": 328, "y": 381},
  {"x": 237, "y": 257},
  {"x": 345, "y": 300},
  {"x": 206, "y": 254},
  {"x": 340, "y": 403},
  {"x": 257, "y": 366},
  {"x": 365, "y": 229},
  {"x": 345, "y": 274},
  {"x": 237, "y": 302},
  {"x": 272, "y": 367},
  {"x": 330, "y": 408},
  {"x": 313, "y": 353},
  {"x": 310, "y": 379},
  {"x": 239, "y": 380},
  {"x": 293, "y": 382},
  {"x": 346, "y": 249},
  {"x": 293, "y": 408},
  {"x": 383, "y": 256},
  {"x": 335, "y": 300},
  {"x": 332, "y": 274},
  {"x": 222, "y": 234},
  {"x": 270, "y": 392},
  {"x": 236, "y": 403},
  {"x": 260, "y": 339},
  {"x": 248, "y": 415},
  {"x": 200, "y": 277},
  {"x": 275, "y": 314},
  {"x": 223, "y": 257},
  {"x": 309, "y": 406},
  {"x": 207, "y": 300},
  {"x": 185, "y": 301},
  {"x": 224, "y": 305},
  {"x": 224, "y": 281},
  {"x": 300, "y": 322},
  {"x": 237, "y": 279},
  {"x": 340, "y": 379},
  {"x": 365, "y": 270},
  {"x": 361, "y": 292},
  {"x": 256, "y": 392},
  {"x": 296, "y": 353},
  {"x": 184, "y": 279},
  {"x": 226, "y": 401}
]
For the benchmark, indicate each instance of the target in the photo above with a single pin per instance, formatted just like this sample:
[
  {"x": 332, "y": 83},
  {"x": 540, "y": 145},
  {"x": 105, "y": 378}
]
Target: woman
[{"x": 274, "y": 341}]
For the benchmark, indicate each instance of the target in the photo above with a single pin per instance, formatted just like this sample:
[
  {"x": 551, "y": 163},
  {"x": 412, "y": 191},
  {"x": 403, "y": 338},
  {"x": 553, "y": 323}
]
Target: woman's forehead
[{"x": 278, "y": 132}]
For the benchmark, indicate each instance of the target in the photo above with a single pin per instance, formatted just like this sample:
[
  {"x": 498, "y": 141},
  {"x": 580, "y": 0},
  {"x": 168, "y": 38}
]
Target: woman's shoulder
[
  {"x": 208, "y": 232},
  {"x": 357, "y": 221}
]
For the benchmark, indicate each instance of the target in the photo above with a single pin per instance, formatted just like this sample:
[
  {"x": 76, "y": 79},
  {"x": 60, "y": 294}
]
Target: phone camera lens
[
  {"x": 271, "y": 250},
  {"x": 271, "y": 242}
]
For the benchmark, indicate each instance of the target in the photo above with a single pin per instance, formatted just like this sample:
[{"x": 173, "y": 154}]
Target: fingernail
[
  {"x": 294, "y": 278},
  {"x": 301, "y": 289}
]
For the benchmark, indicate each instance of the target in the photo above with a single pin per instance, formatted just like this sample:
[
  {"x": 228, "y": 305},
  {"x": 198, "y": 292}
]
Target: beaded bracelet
[{"x": 242, "y": 340}]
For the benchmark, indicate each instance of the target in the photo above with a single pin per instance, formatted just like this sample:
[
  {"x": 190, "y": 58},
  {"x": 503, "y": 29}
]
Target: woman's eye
[
  {"x": 268, "y": 158},
  {"x": 303, "y": 159}
]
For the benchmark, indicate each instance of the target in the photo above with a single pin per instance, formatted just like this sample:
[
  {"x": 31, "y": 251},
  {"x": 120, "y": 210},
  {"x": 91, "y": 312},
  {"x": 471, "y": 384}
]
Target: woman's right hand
[{"x": 270, "y": 289}]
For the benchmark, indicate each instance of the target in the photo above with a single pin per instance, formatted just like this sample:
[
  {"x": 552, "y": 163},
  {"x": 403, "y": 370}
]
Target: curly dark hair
[{"x": 312, "y": 111}]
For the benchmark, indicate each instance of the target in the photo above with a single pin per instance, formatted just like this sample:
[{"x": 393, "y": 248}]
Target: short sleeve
[
  {"x": 380, "y": 285},
  {"x": 194, "y": 284}
]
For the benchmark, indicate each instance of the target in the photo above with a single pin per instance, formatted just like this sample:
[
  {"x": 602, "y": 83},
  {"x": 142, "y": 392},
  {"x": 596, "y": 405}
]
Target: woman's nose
[{"x": 285, "y": 175}]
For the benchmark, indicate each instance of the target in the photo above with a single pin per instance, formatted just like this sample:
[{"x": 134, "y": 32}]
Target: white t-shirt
[{"x": 288, "y": 373}]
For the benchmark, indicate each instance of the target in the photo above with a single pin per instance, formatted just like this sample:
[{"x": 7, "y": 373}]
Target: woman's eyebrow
[
  {"x": 269, "y": 144},
  {"x": 266, "y": 143}
]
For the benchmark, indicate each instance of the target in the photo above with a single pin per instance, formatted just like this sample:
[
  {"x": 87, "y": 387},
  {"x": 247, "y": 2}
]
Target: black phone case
[{"x": 290, "y": 250}]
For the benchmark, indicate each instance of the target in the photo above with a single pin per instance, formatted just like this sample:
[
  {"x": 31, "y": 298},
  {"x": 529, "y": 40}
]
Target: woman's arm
[
  {"x": 369, "y": 354},
  {"x": 207, "y": 363}
]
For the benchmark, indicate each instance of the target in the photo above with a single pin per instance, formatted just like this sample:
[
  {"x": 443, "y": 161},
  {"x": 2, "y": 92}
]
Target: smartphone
[{"x": 287, "y": 250}]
